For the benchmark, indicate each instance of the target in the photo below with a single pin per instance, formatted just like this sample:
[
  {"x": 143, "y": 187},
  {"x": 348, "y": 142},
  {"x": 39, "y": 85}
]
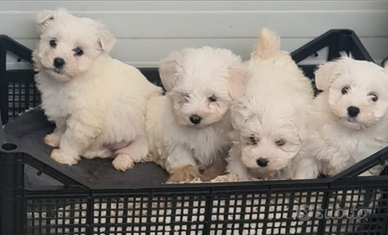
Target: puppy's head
[
  {"x": 268, "y": 138},
  {"x": 201, "y": 83},
  {"x": 357, "y": 91},
  {"x": 69, "y": 45}
]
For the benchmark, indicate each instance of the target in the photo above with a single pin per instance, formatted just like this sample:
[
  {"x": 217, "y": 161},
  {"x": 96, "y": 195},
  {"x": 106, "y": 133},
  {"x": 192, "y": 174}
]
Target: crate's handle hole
[
  {"x": 9, "y": 146},
  {"x": 40, "y": 172},
  {"x": 346, "y": 32},
  {"x": 19, "y": 60}
]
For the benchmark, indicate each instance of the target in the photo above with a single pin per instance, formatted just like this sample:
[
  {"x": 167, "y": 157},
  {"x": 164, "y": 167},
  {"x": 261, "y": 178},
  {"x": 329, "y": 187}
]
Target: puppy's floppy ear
[
  {"x": 168, "y": 68},
  {"x": 46, "y": 17},
  {"x": 105, "y": 39},
  {"x": 241, "y": 114},
  {"x": 43, "y": 19},
  {"x": 238, "y": 77},
  {"x": 325, "y": 75},
  {"x": 304, "y": 121}
]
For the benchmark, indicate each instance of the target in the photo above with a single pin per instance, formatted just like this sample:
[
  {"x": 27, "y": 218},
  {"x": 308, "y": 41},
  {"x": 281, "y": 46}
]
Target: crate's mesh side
[
  {"x": 56, "y": 216},
  {"x": 34, "y": 95},
  {"x": 149, "y": 215},
  {"x": 311, "y": 202},
  {"x": 378, "y": 219},
  {"x": 22, "y": 95},
  {"x": 297, "y": 212},
  {"x": 272, "y": 213},
  {"x": 359, "y": 211}
]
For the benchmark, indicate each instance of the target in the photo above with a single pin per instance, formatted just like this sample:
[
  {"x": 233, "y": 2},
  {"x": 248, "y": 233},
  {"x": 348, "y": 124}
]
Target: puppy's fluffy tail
[
  {"x": 268, "y": 45},
  {"x": 267, "y": 49}
]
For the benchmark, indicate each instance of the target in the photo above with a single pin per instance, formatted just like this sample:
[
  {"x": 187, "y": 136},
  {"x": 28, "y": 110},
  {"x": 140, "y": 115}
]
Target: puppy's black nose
[
  {"x": 353, "y": 111},
  {"x": 195, "y": 119},
  {"x": 262, "y": 162},
  {"x": 59, "y": 62}
]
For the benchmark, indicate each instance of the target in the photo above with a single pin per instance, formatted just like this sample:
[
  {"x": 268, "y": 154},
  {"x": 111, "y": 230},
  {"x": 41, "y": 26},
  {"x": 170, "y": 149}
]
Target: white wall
[{"x": 147, "y": 31}]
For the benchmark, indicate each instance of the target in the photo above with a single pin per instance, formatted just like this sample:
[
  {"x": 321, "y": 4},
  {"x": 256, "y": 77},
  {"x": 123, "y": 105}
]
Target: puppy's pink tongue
[{"x": 116, "y": 146}]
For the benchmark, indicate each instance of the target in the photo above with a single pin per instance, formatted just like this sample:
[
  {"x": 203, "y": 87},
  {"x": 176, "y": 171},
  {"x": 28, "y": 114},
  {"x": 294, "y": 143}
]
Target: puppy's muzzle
[
  {"x": 59, "y": 63},
  {"x": 353, "y": 111},
  {"x": 195, "y": 119},
  {"x": 262, "y": 162}
]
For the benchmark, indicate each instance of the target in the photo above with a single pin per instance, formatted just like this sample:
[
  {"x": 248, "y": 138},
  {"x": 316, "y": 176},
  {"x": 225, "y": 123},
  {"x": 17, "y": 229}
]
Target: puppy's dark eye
[
  {"x": 280, "y": 142},
  {"x": 212, "y": 98},
  {"x": 345, "y": 90},
  {"x": 374, "y": 97},
  {"x": 53, "y": 43},
  {"x": 78, "y": 51},
  {"x": 252, "y": 140}
]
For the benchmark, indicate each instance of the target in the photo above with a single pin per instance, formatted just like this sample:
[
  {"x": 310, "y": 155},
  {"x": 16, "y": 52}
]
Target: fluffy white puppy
[
  {"x": 97, "y": 103},
  {"x": 271, "y": 120},
  {"x": 188, "y": 127},
  {"x": 351, "y": 113}
]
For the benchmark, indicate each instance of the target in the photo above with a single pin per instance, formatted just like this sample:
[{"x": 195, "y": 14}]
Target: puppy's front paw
[
  {"x": 60, "y": 157},
  {"x": 182, "y": 174},
  {"x": 123, "y": 162},
  {"x": 52, "y": 140}
]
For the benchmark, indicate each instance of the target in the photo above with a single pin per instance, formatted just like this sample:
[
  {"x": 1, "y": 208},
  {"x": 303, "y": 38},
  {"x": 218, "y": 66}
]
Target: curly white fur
[
  {"x": 98, "y": 103},
  {"x": 344, "y": 137},
  {"x": 270, "y": 121},
  {"x": 200, "y": 82}
]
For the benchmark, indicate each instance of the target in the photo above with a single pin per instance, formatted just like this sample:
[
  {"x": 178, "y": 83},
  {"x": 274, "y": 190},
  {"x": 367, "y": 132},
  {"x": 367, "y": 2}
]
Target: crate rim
[{"x": 207, "y": 189}]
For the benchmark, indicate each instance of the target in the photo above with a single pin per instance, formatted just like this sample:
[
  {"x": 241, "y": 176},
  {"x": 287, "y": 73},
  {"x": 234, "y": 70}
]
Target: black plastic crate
[{"x": 260, "y": 207}]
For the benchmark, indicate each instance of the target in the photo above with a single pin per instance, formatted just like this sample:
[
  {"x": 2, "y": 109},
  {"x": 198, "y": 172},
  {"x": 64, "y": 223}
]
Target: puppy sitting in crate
[
  {"x": 351, "y": 114},
  {"x": 271, "y": 120},
  {"x": 188, "y": 127},
  {"x": 97, "y": 103}
]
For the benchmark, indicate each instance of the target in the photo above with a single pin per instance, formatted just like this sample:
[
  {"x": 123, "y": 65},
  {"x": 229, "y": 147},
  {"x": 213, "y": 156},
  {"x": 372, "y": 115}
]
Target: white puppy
[
  {"x": 97, "y": 103},
  {"x": 188, "y": 127},
  {"x": 350, "y": 113},
  {"x": 271, "y": 120}
]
